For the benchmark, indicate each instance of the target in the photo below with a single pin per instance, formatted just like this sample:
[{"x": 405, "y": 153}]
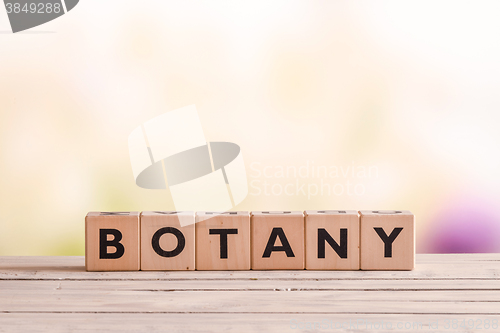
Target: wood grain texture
[
  {"x": 123, "y": 229},
  {"x": 56, "y": 294},
  {"x": 223, "y": 241},
  {"x": 387, "y": 240},
  {"x": 245, "y": 322},
  {"x": 170, "y": 240},
  {"x": 430, "y": 267},
  {"x": 271, "y": 229},
  {"x": 332, "y": 222}
]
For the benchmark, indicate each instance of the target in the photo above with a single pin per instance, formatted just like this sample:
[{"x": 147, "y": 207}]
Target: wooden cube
[
  {"x": 332, "y": 239},
  {"x": 165, "y": 245},
  {"x": 387, "y": 240},
  {"x": 277, "y": 240},
  {"x": 112, "y": 241},
  {"x": 223, "y": 241}
]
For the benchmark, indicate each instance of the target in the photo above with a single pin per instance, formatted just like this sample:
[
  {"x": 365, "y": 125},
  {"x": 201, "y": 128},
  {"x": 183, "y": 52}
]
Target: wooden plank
[
  {"x": 255, "y": 284},
  {"x": 330, "y": 302},
  {"x": 72, "y": 268},
  {"x": 69, "y": 288},
  {"x": 56, "y": 294},
  {"x": 110, "y": 322}
]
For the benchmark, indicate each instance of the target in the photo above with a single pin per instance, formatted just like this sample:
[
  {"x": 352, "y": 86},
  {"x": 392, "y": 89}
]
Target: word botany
[{"x": 314, "y": 240}]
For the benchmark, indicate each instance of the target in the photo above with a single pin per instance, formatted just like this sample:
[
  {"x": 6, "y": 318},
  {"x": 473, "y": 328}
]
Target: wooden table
[{"x": 445, "y": 293}]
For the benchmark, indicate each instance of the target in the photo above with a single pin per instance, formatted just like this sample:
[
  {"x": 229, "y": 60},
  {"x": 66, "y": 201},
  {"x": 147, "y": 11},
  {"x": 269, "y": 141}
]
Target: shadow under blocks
[{"x": 264, "y": 240}]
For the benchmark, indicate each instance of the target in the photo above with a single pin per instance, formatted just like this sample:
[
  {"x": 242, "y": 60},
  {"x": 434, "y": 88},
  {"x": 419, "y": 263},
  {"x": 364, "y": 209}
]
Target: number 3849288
[{"x": 33, "y": 8}]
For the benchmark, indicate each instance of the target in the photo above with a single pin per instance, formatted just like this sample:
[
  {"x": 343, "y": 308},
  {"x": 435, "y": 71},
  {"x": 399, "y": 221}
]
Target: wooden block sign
[
  {"x": 277, "y": 240},
  {"x": 266, "y": 240},
  {"x": 387, "y": 240},
  {"x": 223, "y": 241},
  {"x": 165, "y": 245},
  {"x": 332, "y": 239},
  {"x": 112, "y": 241}
]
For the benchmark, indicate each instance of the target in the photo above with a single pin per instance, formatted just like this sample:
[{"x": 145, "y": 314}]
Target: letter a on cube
[{"x": 277, "y": 240}]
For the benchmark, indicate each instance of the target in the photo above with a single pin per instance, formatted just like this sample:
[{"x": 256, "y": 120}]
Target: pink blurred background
[{"x": 406, "y": 89}]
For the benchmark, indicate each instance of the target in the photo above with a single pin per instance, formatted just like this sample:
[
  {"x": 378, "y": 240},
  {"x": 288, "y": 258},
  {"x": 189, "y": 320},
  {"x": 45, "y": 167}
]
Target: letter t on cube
[
  {"x": 222, "y": 241},
  {"x": 112, "y": 241}
]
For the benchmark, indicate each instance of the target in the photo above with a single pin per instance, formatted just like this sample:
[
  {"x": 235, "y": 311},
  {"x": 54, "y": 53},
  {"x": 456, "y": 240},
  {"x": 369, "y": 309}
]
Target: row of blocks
[{"x": 316, "y": 240}]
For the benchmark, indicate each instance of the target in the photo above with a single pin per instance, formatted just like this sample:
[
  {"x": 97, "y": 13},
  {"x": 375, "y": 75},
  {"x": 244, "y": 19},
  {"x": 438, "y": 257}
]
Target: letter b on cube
[{"x": 112, "y": 241}]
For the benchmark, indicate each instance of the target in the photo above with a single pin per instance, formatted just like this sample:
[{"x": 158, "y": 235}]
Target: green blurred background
[{"x": 406, "y": 89}]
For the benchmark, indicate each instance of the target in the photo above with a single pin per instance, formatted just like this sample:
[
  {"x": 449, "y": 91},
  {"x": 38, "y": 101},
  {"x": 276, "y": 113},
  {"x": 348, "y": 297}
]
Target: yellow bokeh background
[{"x": 409, "y": 87}]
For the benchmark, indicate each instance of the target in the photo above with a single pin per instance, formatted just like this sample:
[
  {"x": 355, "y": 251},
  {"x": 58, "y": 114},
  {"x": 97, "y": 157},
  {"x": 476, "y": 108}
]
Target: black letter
[
  {"x": 324, "y": 236},
  {"x": 223, "y": 239},
  {"x": 388, "y": 240},
  {"x": 104, "y": 243},
  {"x": 285, "y": 246},
  {"x": 181, "y": 242}
]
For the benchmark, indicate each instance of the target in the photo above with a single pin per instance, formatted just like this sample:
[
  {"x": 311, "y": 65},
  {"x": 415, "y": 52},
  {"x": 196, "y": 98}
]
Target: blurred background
[{"x": 397, "y": 100}]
